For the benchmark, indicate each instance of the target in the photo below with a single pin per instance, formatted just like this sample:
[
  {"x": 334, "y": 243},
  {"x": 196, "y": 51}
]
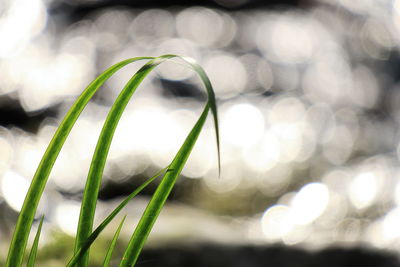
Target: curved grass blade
[
  {"x": 161, "y": 194},
  {"x": 89, "y": 241},
  {"x": 107, "y": 259},
  {"x": 97, "y": 165},
  {"x": 34, "y": 249},
  {"x": 93, "y": 181},
  {"x": 25, "y": 219},
  {"x": 211, "y": 100}
]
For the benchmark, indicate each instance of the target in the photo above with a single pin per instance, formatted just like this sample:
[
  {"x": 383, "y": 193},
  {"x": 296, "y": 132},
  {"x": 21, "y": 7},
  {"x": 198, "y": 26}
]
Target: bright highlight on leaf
[{"x": 85, "y": 237}]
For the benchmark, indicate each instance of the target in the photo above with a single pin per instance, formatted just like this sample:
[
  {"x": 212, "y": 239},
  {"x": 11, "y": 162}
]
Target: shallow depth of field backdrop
[{"x": 309, "y": 105}]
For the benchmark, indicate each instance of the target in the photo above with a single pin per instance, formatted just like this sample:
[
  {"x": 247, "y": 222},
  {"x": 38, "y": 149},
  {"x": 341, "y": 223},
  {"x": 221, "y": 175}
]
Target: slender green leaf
[
  {"x": 32, "y": 255},
  {"x": 93, "y": 181},
  {"x": 107, "y": 259},
  {"x": 89, "y": 241},
  {"x": 155, "y": 205},
  {"x": 25, "y": 219},
  {"x": 95, "y": 174},
  {"x": 211, "y": 100},
  {"x": 161, "y": 194}
]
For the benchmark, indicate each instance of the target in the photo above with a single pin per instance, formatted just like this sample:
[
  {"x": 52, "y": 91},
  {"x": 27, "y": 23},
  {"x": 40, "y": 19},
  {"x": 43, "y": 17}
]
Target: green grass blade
[
  {"x": 97, "y": 165},
  {"x": 161, "y": 194},
  {"x": 107, "y": 259},
  {"x": 211, "y": 100},
  {"x": 32, "y": 255},
  {"x": 25, "y": 219},
  {"x": 93, "y": 181},
  {"x": 89, "y": 241}
]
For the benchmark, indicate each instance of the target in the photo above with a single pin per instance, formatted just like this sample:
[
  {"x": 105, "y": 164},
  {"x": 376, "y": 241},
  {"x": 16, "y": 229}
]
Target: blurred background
[{"x": 309, "y": 107}]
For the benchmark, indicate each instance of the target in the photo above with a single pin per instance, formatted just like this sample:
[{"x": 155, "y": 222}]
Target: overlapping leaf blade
[
  {"x": 158, "y": 199},
  {"x": 24, "y": 223},
  {"x": 89, "y": 241},
  {"x": 28, "y": 210},
  {"x": 93, "y": 181}
]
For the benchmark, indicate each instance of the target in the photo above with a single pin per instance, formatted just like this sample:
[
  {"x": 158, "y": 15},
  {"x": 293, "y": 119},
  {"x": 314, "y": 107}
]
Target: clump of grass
[{"x": 85, "y": 236}]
